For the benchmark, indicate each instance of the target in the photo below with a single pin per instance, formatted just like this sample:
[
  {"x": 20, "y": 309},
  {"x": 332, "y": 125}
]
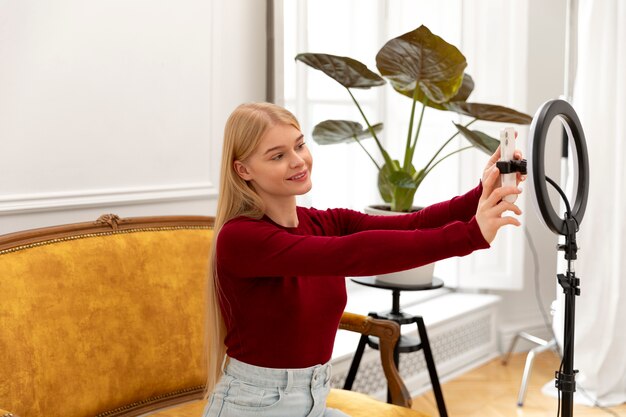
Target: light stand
[{"x": 566, "y": 226}]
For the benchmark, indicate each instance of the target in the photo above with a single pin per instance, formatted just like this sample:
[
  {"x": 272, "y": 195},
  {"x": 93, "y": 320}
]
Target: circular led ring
[{"x": 538, "y": 132}]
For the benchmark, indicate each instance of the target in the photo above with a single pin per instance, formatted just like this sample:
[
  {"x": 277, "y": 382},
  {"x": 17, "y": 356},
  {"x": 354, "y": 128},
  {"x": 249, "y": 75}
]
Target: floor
[{"x": 492, "y": 389}]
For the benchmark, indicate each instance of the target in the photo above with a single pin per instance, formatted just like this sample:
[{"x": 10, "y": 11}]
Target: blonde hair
[{"x": 244, "y": 129}]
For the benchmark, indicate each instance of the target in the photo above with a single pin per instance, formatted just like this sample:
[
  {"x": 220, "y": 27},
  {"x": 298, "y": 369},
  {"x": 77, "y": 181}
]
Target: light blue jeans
[{"x": 247, "y": 390}]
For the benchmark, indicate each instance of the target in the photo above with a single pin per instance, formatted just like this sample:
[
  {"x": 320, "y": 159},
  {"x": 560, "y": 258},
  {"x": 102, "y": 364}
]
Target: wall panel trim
[{"x": 38, "y": 202}]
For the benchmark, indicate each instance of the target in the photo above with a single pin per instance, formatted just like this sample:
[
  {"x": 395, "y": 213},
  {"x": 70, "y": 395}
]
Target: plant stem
[
  {"x": 365, "y": 150},
  {"x": 426, "y": 168},
  {"x": 408, "y": 156},
  {"x": 447, "y": 156},
  {"x": 419, "y": 128},
  {"x": 371, "y": 130}
]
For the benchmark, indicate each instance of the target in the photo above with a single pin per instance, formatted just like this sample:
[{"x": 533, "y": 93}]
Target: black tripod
[
  {"x": 566, "y": 375},
  {"x": 567, "y": 226}
]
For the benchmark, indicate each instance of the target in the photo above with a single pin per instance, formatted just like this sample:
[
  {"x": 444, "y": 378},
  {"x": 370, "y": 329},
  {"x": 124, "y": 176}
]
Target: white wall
[{"x": 119, "y": 106}]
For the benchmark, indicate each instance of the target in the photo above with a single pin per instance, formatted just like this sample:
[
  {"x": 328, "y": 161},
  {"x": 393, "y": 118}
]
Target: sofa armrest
[{"x": 388, "y": 333}]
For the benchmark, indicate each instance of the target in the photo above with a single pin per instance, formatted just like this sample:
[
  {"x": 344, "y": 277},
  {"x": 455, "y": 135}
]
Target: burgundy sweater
[{"x": 282, "y": 289}]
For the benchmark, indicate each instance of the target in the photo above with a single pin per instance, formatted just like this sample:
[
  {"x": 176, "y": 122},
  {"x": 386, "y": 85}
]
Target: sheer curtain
[{"x": 599, "y": 97}]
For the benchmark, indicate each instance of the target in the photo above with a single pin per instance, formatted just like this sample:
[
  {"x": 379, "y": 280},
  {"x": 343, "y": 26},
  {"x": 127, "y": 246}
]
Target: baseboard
[{"x": 535, "y": 327}]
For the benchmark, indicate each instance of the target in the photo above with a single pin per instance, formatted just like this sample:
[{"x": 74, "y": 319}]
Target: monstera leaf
[
  {"x": 479, "y": 139},
  {"x": 489, "y": 112},
  {"x": 467, "y": 86},
  {"x": 331, "y": 132},
  {"x": 346, "y": 71},
  {"x": 421, "y": 59}
]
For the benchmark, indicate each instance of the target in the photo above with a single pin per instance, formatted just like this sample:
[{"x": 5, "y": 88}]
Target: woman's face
[{"x": 280, "y": 166}]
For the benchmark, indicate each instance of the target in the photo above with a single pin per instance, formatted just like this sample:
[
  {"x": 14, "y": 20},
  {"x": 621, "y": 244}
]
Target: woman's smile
[{"x": 300, "y": 176}]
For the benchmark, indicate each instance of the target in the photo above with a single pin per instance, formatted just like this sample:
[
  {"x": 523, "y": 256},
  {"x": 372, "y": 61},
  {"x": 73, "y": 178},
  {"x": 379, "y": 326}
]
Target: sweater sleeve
[
  {"x": 256, "y": 248},
  {"x": 461, "y": 208}
]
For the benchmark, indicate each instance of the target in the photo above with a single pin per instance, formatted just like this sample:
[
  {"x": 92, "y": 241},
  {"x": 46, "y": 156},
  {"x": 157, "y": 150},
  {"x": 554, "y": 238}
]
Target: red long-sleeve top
[{"x": 282, "y": 289}]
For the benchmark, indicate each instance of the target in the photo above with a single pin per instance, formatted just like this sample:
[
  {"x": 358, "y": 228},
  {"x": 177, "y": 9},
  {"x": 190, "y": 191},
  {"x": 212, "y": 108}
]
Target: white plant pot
[{"x": 416, "y": 276}]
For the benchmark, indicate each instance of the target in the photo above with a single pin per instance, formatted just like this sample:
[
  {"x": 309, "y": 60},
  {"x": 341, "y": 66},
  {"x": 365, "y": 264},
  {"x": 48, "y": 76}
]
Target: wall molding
[
  {"x": 532, "y": 325},
  {"x": 41, "y": 202}
]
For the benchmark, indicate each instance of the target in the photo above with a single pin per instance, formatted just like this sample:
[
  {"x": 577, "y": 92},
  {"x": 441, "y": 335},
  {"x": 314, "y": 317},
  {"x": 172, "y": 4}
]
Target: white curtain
[{"x": 599, "y": 98}]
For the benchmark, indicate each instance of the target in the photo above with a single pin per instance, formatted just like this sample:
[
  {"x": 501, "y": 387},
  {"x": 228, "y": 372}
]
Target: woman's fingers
[
  {"x": 499, "y": 193},
  {"x": 495, "y": 157},
  {"x": 507, "y": 220},
  {"x": 490, "y": 181},
  {"x": 504, "y": 206},
  {"x": 491, "y": 163},
  {"x": 492, "y": 206}
]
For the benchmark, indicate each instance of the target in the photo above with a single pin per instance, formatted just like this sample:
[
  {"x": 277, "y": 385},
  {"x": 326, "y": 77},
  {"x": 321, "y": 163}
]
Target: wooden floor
[{"x": 492, "y": 390}]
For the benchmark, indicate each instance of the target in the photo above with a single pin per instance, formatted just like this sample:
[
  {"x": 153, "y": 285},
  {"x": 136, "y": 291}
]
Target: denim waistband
[{"x": 313, "y": 376}]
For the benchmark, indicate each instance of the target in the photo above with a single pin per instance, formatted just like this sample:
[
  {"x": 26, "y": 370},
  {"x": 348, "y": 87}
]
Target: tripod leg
[
  {"x": 356, "y": 361},
  {"x": 528, "y": 368},
  {"x": 432, "y": 371}
]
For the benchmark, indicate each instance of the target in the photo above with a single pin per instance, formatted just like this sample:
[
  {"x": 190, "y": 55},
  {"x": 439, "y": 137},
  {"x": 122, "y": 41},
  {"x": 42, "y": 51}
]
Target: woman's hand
[
  {"x": 495, "y": 158},
  {"x": 491, "y": 205}
]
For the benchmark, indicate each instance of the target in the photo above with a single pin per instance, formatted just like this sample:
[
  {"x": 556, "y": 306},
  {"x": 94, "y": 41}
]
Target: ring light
[{"x": 538, "y": 132}]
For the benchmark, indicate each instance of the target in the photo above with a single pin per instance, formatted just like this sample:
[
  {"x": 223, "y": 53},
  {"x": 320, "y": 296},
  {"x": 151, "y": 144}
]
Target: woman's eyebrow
[{"x": 275, "y": 148}]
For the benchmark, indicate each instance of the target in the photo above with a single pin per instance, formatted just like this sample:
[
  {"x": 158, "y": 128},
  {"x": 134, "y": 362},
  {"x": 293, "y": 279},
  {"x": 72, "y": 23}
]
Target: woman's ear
[{"x": 242, "y": 170}]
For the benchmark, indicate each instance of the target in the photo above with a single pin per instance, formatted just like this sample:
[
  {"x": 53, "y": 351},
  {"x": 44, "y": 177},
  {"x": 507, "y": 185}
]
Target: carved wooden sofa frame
[{"x": 106, "y": 319}]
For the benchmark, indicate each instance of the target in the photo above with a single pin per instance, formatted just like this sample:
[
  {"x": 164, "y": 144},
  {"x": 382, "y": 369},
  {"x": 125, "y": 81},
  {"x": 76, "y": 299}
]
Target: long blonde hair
[{"x": 244, "y": 129}]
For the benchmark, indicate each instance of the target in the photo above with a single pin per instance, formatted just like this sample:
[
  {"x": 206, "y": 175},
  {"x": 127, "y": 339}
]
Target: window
[
  {"x": 358, "y": 28},
  {"x": 343, "y": 175}
]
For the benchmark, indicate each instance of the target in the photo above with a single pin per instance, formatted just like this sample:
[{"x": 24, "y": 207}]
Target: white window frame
[{"x": 502, "y": 267}]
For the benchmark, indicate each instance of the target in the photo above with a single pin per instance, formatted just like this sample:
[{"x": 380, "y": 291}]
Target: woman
[{"x": 277, "y": 284}]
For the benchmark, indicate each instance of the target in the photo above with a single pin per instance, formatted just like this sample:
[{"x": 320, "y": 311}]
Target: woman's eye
[
  {"x": 277, "y": 157},
  {"x": 301, "y": 145}
]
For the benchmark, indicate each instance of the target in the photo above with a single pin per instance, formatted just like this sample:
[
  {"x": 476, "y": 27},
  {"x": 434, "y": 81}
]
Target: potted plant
[{"x": 425, "y": 68}]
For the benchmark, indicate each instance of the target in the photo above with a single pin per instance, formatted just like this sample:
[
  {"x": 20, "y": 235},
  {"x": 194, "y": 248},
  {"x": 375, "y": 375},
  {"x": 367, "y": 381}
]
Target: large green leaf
[
  {"x": 467, "y": 86},
  {"x": 346, "y": 71},
  {"x": 464, "y": 92},
  {"x": 385, "y": 187},
  {"x": 480, "y": 140},
  {"x": 421, "y": 59},
  {"x": 397, "y": 186},
  {"x": 403, "y": 199},
  {"x": 490, "y": 112},
  {"x": 404, "y": 187},
  {"x": 331, "y": 132},
  {"x": 402, "y": 179}
]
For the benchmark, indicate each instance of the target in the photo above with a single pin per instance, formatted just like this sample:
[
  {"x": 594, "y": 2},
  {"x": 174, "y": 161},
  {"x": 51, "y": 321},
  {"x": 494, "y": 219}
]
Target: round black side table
[{"x": 405, "y": 343}]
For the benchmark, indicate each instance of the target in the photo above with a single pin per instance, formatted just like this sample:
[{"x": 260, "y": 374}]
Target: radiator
[{"x": 462, "y": 334}]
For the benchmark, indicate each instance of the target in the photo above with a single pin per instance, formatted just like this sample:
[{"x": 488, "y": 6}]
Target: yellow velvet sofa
[{"x": 106, "y": 319}]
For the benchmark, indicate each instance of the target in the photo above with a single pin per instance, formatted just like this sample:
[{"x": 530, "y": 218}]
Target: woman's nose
[{"x": 296, "y": 161}]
